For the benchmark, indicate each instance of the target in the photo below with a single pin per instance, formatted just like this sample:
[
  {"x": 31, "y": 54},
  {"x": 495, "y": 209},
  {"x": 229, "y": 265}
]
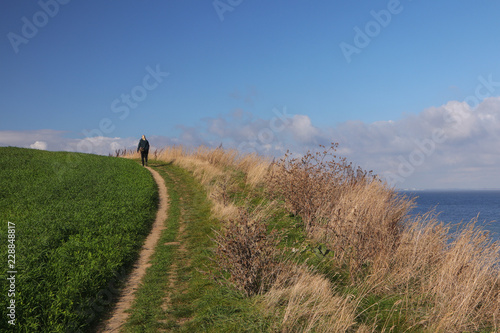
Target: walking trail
[{"x": 119, "y": 315}]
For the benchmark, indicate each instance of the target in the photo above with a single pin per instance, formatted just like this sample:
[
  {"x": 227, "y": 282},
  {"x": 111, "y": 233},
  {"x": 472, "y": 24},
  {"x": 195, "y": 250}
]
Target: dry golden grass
[
  {"x": 465, "y": 287},
  {"x": 255, "y": 167},
  {"x": 443, "y": 282},
  {"x": 224, "y": 212},
  {"x": 172, "y": 153},
  {"x": 363, "y": 225},
  {"x": 420, "y": 249},
  {"x": 305, "y": 302},
  {"x": 209, "y": 164},
  {"x": 450, "y": 283},
  {"x": 215, "y": 169}
]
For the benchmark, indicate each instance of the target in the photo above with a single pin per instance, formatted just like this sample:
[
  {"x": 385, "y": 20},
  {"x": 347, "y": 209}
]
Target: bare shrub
[
  {"x": 123, "y": 152},
  {"x": 355, "y": 214},
  {"x": 305, "y": 183},
  {"x": 248, "y": 253},
  {"x": 222, "y": 188}
]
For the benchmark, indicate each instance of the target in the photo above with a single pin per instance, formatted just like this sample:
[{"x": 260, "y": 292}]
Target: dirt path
[
  {"x": 119, "y": 316},
  {"x": 173, "y": 280}
]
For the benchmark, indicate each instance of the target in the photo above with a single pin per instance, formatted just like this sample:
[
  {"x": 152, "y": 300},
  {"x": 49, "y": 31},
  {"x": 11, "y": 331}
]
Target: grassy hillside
[
  {"x": 312, "y": 244},
  {"x": 79, "y": 222},
  {"x": 307, "y": 244}
]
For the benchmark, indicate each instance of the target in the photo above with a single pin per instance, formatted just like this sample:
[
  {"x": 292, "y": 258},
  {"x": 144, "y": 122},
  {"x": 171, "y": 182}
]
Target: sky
[{"x": 409, "y": 89}]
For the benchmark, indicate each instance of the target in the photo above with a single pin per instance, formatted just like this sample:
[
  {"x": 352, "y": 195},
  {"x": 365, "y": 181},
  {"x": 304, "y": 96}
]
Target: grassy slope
[
  {"x": 203, "y": 305},
  {"x": 178, "y": 295},
  {"x": 192, "y": 301},
  {"x": 197, "y": 300},
  {"x": 80, "y": 220}
]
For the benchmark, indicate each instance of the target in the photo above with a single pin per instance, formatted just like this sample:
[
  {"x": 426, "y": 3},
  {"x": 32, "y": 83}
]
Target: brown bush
[
  {"x": 248, "y": 253},
  {"x": 308, "y": 182},
  {"x": 349, "y": 209},
  {"x": 222, "y": 188}
]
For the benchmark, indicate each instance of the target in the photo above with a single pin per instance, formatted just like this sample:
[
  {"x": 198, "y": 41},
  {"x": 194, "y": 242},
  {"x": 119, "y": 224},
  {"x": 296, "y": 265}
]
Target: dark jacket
[{"x": 143, "y": 144}]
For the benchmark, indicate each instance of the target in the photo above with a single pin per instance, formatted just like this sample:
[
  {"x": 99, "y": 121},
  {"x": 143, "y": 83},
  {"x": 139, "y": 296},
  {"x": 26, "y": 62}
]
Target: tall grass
[
  {"x": 209, "y": 164},
  {"x": 306, "y": 302},
  {"x": 378, "y": 268},
  {"x": 444, "y": 282},
  {"x": 216, "y": 169},
  {"x": 456, "y": 275}
]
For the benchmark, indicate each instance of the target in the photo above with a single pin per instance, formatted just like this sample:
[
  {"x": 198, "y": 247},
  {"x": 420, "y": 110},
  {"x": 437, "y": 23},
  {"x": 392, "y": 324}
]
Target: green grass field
[{"x": 77, "y": 223}]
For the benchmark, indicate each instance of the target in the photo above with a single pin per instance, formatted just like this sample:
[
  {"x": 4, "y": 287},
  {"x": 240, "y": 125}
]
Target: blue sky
[{"x": 93, "y": 76}]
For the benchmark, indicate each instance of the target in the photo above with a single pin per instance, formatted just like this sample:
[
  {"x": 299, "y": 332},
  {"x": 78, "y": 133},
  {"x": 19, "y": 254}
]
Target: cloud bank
[
  {"x": 450, "y": 146},
  {"x": 53, "y": 140}
]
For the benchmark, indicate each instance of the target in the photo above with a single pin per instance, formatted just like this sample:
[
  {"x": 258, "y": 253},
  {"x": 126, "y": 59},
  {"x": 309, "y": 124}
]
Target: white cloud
[
  {"x": 302, "y": 129},
  {"x": 56, "y": 141},
  {"x": 451, "y": 145},
  {"x": 28, "y": 138},
  {"x": 42, "y": 145},
  {"x": 100, "y": 145},
  {"x": 440, "y": 147}
]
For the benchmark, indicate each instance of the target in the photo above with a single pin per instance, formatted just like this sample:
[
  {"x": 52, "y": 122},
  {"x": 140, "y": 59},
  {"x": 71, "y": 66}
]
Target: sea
[{"x": 458, "y": 206}]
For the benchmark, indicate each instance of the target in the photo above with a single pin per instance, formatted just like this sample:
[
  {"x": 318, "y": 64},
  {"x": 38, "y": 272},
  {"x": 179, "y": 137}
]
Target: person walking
[{"x": 143, "y": 147}]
